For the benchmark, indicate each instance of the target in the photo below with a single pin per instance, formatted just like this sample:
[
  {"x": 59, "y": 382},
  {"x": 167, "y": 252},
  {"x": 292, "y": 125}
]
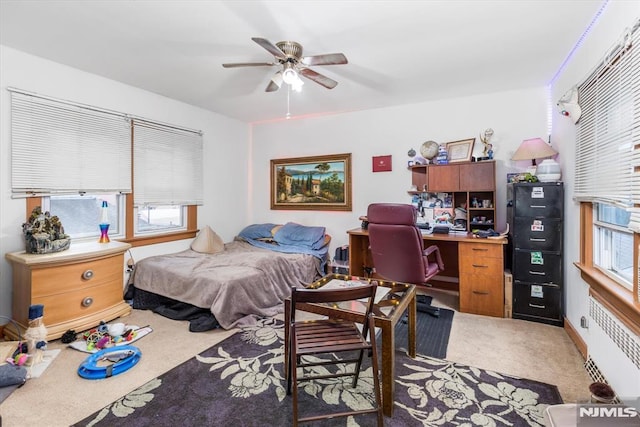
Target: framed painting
[
  {"x": 320, "y": 183},
  {"x": 460, "y": 151}
]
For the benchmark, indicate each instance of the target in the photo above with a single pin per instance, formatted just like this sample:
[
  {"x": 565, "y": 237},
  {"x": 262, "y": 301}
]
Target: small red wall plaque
[{"x": 381, "y": 163}]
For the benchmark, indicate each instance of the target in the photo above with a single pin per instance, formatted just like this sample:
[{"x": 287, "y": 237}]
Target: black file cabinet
[{"x": 535, "y": 214}]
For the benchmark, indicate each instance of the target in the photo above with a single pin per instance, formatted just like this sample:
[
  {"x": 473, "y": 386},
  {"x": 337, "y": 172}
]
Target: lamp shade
[{"x": 532, "y": 149}]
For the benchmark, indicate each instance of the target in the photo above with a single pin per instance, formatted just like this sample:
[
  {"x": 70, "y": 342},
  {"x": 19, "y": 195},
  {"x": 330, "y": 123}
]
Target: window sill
[
  {"x": 161, "y": 238},
  {"x": 613, "y": 296}
]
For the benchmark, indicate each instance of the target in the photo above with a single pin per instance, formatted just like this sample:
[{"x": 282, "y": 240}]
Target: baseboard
[{"x": 576, "y": 338}]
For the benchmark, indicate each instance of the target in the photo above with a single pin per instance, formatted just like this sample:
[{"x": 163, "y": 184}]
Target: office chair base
[{"x": 429, "y": 309}]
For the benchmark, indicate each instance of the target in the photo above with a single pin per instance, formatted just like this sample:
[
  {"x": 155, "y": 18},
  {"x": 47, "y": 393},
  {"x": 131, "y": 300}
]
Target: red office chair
[{"x": 398, "y": 249}]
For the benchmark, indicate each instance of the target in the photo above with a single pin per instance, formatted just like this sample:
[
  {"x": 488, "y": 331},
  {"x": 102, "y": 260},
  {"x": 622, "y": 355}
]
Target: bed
[{"x": 237, "y": 281}]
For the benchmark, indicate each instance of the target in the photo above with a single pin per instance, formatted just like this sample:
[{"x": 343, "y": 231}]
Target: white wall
[
  {"x": 225, "y": 148},
  {"x": 514, "y": 116},
  {"x": 608, "y": 28}
]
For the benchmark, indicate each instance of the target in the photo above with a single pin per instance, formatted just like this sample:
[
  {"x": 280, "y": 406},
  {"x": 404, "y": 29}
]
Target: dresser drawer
[
  {"x": 537, "y": 301},
  {"x": 482, "y": 294},
  {"x": 79, "y": 303},
  {"x": 475, "y": 251},
  {"x": 538, "y": 233},
  {"x": 537, "y": 267},
  {"x": 68, "y": 277},
  {"x": 482, "y": 266}
]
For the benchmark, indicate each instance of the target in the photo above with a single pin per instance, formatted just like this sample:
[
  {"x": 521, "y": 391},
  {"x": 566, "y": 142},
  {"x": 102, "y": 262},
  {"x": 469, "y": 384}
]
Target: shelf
[{"x": 464, "y": 182}]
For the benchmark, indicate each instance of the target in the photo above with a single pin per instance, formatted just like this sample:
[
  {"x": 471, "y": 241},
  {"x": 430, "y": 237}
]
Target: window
[
  {"x": 607, "y": 178},
  {"x": 63, "y": 148},
  {"x": 613, "y": 243},
  {"x": 80, "y": 214},
  {"x": 90, "y": 156},
  {"x": 167, "y": 176},
  {"x": 152, "y": 219}
]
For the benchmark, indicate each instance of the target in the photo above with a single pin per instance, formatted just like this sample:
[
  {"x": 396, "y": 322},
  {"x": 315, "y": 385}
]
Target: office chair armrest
[{"x": 434, "y": 249}]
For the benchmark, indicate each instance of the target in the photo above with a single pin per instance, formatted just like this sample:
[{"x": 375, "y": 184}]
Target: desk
[
  {"x": 474, "y": 267},
  {"x": 387, "y": 313}
]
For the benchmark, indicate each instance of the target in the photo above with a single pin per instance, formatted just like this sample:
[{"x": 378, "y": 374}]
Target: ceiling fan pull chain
[{"x": 288, "y": 116}]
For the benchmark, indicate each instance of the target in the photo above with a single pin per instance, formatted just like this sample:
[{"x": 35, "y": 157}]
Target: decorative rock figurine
[
  {"x": 44, "y": 233},
  {"x": 36, "y": 335}
]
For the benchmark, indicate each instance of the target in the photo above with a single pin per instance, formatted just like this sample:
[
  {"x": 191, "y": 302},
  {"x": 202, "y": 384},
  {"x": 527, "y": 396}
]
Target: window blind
[
  {"x": 61, "y": 148},
  {"x": 608, "y": 146},
  {"x": 168, "y": 165}
]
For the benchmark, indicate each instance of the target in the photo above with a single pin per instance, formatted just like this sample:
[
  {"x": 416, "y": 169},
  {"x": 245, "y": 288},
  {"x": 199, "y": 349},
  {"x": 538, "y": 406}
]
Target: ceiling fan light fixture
[
  {"x": 297, "y": 84},
  {"x": 289, "y": 75}
]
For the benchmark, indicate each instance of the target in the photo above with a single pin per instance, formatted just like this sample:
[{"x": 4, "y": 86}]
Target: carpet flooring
[
  {"x": 240, "y": 382},
  {"x": 432, "y": 333}
]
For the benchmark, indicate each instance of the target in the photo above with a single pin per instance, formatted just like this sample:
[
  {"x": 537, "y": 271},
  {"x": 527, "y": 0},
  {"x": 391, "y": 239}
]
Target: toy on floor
[
  {"x": 36, "y": 335},
  {"x": 100, "y": 338},
  {"x": 123, "y": 358}
]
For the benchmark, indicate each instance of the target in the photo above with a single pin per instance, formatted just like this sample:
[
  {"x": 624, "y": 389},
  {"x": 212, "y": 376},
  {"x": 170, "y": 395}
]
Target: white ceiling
[{"x": 399, "y": 52}]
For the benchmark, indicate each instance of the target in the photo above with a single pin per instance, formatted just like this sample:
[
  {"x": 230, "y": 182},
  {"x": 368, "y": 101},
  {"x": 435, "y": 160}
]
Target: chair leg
[
  {"x": 293, "y": 380},
  {"x": 376, "y": 385},
  {"x": 289, "y": 370},
  {"x": 356, "y": 372}
]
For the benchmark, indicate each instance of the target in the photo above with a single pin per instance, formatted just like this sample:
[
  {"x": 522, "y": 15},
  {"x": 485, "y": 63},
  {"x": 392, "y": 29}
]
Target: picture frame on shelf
[
  {"x": 460, "y": 151},
  {"x": 321, "y": 183}
]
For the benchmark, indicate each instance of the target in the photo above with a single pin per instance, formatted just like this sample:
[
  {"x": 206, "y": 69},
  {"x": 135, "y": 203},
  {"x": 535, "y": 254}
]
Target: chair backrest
[
  {"x": 396, "y": 243},
  {"x": 302, "y": 295}
]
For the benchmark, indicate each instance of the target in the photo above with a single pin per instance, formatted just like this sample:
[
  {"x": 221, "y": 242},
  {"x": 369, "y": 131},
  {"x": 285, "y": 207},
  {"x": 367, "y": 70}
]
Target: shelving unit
[{"x": 466, "y": 181}]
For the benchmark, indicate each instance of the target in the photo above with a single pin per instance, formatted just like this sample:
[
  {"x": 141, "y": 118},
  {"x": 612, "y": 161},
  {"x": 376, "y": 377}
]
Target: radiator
[{"x": 614, "y": 352}]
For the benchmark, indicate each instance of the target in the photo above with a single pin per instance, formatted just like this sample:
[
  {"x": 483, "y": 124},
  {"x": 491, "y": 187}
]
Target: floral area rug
[{"x": 241, "y": 382}]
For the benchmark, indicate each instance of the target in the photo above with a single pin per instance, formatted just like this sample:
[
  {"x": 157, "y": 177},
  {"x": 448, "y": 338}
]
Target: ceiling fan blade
[
  {"x": 319, "y": 78},
  {"x": 248, "y": 64},
  {"x": 275, "y": 83},
  {"x": 326, "y": 59},
  {"x": 270, "y": 47}
]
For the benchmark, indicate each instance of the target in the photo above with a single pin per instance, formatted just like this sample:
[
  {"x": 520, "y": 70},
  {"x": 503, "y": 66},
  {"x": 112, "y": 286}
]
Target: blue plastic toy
[{"x": 124, "y": 357}]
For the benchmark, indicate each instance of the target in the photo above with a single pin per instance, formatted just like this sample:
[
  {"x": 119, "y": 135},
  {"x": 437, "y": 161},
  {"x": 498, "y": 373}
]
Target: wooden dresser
[{"x": 78, "y": 287}]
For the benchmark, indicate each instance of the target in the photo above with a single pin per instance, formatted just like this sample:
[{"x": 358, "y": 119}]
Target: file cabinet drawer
[
  {"x": 539, "y": 234},
  {"x": 537, "y": 267},
  {"x": 538, "y": 301},
  {"x": 541, "y": 201}
]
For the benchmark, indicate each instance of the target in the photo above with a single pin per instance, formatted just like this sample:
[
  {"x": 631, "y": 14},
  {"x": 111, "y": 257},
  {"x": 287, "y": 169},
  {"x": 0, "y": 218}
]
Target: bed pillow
[
  {"x": 207, "y": 242},
  {"x": 300, "y": 235},
  {"x": 257, "y": 231}
]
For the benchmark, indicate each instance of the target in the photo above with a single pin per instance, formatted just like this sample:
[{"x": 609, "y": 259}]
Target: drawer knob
[
  {"x": 87, "y": 302},
  {"x": 480, "y": 266},
  {"x": 481, "y": 292},
  {"x": 88, "y": 274}
]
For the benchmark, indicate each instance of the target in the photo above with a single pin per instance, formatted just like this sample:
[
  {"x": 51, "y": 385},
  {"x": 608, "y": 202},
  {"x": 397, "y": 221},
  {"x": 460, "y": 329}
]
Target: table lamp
[{"x": 532, "y": 149}]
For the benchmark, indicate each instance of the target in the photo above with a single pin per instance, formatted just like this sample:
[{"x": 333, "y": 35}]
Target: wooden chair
[{"x": 335, "y": 335}]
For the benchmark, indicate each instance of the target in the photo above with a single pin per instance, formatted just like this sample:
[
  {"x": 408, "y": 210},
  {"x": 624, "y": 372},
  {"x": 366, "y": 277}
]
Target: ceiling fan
[{"x": 288, "y": 54}]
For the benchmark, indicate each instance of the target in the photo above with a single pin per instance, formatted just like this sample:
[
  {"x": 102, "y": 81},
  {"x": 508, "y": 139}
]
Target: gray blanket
[{"x": 237, "y": 285}]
